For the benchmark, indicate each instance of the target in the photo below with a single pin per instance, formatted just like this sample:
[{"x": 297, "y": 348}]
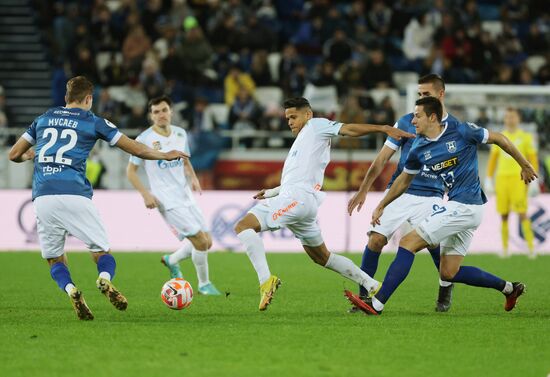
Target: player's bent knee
[
  {"x": 377, "y": 242},
  {"x": 447, "y": 273},
  {"x": 52, "y": 261}
]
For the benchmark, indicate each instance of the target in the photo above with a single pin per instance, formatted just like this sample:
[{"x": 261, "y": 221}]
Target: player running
[
  {"x": 423, "y": 195},
  {"x": 63, "y": 138},
  {"x": 294, "y": 203},
  {"x": 171, "y": 184},
  {"x": 449, "y": 151},
  {"x": 511, "y": 192}
]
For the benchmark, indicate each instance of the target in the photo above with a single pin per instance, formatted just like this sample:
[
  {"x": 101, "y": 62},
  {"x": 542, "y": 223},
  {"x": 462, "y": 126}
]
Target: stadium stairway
[{"x": 25, "y": 72}]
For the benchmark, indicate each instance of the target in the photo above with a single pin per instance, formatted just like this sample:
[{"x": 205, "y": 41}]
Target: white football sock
[
  {"x": 443, "y": 283},
  {"x": 69, "y": 287},
  {"x": 182, "y": 253},
  {"x": 256, "y": 253},
  {"x": 348, "y": 269},
  {"x": 105, "y": 275},
  {"x": 200, "y": 260},
  {"x": 508, "y": 288}
]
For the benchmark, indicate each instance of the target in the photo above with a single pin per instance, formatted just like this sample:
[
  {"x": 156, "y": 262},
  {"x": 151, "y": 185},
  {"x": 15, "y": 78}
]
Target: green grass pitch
[{"x": 305, "y": 332}]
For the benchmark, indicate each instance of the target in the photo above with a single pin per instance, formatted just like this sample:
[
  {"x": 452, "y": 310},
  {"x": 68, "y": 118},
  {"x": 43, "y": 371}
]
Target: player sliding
[
  {"x": 449, "y": 151},
  {"x": 294, "y": 203},
  {"x": 171, "y": 193},
  {"x": 61, "y": 193}
]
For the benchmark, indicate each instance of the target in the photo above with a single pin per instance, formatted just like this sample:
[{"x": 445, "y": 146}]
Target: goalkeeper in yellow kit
[{"x": 511, "y": 192}]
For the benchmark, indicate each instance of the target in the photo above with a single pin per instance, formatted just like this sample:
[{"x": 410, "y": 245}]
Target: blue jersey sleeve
[
  {"x": 413, "y": 164},
  {"x": 473, "y": 133},
  {"x": 107, "y": 131},
  {"x": 394, "y": 143},
  {"x": 30, "y": 134}
]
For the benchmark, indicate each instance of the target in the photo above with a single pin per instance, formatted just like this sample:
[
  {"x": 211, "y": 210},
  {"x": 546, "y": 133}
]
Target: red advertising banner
[{"x": 255, "y": 175}]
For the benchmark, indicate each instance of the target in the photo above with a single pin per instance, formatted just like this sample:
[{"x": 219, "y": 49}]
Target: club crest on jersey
[
  {"x": 451, "y": 146},
  {"x": 156, "y": 145}
]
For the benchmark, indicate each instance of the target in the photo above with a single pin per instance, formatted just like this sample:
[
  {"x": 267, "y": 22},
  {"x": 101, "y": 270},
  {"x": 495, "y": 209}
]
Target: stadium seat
[
  {"x": 404, "y": 78},
  {"x": 269, "y": 96},
  {"x": 493, "y": 27},
  {"x": 379, "y": 94},
  {"x": 219, "y": 113},
  {"x": 322, "y": 98},
  {"x": 535, "y": 62},
  {"x": 273, "y": 60}
]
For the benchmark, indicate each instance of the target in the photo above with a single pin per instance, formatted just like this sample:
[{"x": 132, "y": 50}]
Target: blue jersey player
[
  {"x": 425, "y": 192},
  {"x": 63, "y": 138},
  {"x": 450, "y": 151}
]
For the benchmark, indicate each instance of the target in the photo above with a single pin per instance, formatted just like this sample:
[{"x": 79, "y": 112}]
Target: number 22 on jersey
[{"x": 54, "y": 136}]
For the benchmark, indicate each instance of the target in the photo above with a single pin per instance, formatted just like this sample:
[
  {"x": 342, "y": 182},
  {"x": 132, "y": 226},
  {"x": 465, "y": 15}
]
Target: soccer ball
[{"x": 177, "y": 293}]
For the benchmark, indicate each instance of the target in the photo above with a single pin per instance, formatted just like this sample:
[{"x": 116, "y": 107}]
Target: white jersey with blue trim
[
  {"x": 63, "y": 138},
  {"x": 309, "y": 156},
  {"x": 452, "y": 156},
  {"x": 167, "y": 179}
]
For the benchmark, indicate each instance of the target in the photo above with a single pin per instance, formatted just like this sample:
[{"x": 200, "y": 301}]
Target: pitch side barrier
[{"x": 132, "y": 227}]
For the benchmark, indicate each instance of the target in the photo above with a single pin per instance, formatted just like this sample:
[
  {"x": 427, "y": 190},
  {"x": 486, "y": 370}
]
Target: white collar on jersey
[{"x": 442, "y": 132}]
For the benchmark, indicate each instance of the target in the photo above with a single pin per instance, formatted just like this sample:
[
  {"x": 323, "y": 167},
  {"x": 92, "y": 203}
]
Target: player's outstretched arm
[
  {"x": 374, "y": 171},
  {"x": 399, "y": 186},
  {"x": 267, "y": 193},
  {"x": 528, "y": 173},
  {"x": 142, "y": 151},
  {"x": 356, "y": 130},
  {"x": 192, "y": 176},
  {"x": 21, "y": 151},
  {"x": 149, "y": 199}
]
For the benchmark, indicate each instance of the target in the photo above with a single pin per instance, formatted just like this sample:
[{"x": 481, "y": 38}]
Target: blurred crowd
[{"x": 211, "y": 51}]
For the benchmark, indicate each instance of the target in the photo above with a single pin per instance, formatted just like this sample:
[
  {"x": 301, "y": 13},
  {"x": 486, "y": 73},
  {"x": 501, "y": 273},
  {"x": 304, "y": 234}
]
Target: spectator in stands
[
  {"x": 351, "y": 112},
  {"x": 380, "y": 18},
  {"x": 338, "y": 49},
  {"x": 378, "y": 73},
  {"x": 418, "y": 40},
  {"x": 134, "y": 48},
  {"x": 536, "y": 42},
  {"x": 245, "y": 114},
  {"x": 324, "y": 74},
  {"x": 259, "y": 69},
  {"x": 195, "y": 52},
  {"x": 151, "y": 79},
  {"x": 114, "y": 74},
  {"x": 85, "y": 65},
  {"x": 137, "y": 119},
  {"x": 233, "y": 82},
  {"x": 105, "y": 35},
  {"x": 258, "y": 36},
  {"x": 171, "y": 64},
  {"x": 154, "y": 9},
  {"x": 297, "y": 81},
  {"x": 107, "y": 107}
]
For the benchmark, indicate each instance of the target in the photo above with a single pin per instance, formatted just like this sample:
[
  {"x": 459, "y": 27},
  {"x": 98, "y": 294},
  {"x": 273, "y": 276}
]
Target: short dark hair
[
  {"x": 297, "y": 102},
  {"x": 155, "y": 101},
  {"x": 434, "y": 79},
  {"x": 78, "y": 88},
  {"x": 431, "y": 106}
]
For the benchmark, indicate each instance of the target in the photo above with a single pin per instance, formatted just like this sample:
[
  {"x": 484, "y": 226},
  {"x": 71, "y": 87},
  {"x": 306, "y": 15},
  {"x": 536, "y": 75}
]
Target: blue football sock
[
  {"x": 369, "y": 264},
  {"x": 60, "y": 273},
  {"x": 106, "y": 263},
  {"x": 478, "y": 278},
  {"x": 435, "y": 253},
  {"x": 398, "y": 271}
]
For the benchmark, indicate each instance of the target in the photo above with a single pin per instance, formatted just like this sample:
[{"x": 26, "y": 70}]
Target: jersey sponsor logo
[
  {"x": 51, "y": 170},
  {"x": 156, "y": 145},
  {"x": 65, "y": 112},
  {"x": 162, "y": 164},
  {"x": 282, "y": 211},
  {"x": 445, "y": 164},
  {"x": 451, "y": 146},
  {"x": 426, "y": 172}
]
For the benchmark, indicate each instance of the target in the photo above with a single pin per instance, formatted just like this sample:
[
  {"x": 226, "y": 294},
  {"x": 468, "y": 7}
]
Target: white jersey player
[
  {"x": 294, "y": 203},
  {"x": 171, "y": 183}
]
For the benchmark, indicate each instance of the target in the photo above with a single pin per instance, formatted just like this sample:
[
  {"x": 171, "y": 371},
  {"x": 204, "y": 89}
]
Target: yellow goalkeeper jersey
[{"x": 504, "y": 163}]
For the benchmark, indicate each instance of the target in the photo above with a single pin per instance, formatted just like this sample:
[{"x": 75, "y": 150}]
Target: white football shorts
[
  {"x": 406, "y": 208},
  {"x": 295, "y": 210},
  {"x": 185, "y": 221},
  {"x": 59, "y": 215},
  {"x": 452, "y": 227}
]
